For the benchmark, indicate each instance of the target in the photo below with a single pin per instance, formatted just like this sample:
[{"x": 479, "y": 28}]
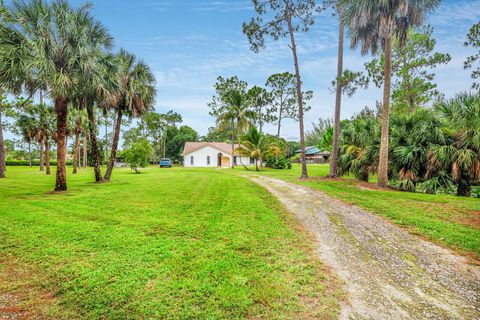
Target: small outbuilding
[{"x": 315, "y": 155}]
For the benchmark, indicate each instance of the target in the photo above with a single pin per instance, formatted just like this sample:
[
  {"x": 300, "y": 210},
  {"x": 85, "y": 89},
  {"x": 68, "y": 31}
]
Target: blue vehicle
[{"x": 165, "y": 163}]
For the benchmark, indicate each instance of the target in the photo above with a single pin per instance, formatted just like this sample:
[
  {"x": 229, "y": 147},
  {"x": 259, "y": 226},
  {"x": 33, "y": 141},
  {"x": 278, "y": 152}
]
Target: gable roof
[{"x": 220, "y": 146}]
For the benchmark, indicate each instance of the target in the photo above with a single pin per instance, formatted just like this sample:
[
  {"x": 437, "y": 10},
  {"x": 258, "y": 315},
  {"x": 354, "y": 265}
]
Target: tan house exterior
[{"x": 211, "y": 154}]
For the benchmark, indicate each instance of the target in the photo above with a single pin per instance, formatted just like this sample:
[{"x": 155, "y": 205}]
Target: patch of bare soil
[
  {"x": 388, "y": 273},
  {"x": 20, "y": 298}
]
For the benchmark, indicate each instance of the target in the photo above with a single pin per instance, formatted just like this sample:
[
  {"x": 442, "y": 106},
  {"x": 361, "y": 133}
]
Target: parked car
[{"x": 165, "y": 163}]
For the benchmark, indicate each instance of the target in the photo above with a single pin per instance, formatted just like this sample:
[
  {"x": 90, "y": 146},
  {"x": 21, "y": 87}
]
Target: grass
[
  {"x": 448, "y": 220},
  {"x": 168, "y": 243}
]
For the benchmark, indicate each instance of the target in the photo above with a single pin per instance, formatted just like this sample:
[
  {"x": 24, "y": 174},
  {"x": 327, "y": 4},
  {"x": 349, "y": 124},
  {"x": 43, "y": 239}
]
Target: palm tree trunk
[
  {"x": 47, "y": 157},
  {"x": 42, "y": 168},
  {"x": 2, "y": 145},
  {"x": 76, "y": 153},
  {"x": 29, "y": 153},
  {"x": 256, "y": 165},
  {"x": 383, "y": 162},
  {"x": 62, "y": 111},
  {"x": 300, "y": 97},
  {"x": 93, "y": 143},
  {"x": 338, "y": 103},
  {"x": 85, "y": 150},
  {"x": 106, "y": 137},
  {"x": 464, "y": 188},
  {"x": 113, "y": 152},
  {"x": 233, "y": 142}
]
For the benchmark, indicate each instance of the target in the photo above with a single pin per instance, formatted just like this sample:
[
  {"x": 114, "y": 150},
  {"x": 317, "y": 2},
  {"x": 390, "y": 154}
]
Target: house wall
[{"x": 200, "y": 158}]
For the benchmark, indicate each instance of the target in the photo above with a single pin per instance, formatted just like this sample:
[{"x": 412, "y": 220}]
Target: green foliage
[
  {"x": 327, "y": 140},
  {"x": 313, "y": 137},
  {"x": 413, "y": 81},
  {"x": 35, "y": 162},
  {"x": 280, "y": 163},
  {"x": 175, "y": 141},
  {"x": 138, "y": 155},
  {"x": 473, "y": 40}
]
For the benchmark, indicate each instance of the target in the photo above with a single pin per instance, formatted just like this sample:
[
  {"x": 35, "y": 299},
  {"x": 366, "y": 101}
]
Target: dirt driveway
[{"x": 387, "y": 273}]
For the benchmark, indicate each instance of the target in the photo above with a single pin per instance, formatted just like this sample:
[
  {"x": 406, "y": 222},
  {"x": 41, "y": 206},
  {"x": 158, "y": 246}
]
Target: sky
[{"x": 189, "y": 43}]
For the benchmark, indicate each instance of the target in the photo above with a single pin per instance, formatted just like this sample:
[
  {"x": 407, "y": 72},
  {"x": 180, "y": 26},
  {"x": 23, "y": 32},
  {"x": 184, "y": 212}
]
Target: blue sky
[{"x": 188, "y": 43}]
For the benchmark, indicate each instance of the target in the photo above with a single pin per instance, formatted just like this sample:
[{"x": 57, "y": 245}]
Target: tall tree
[
  {"x": 135, "y": 96},
  {"x": 261, "y": 102},
  {"x": 283, "y": 89},
  {"x": 2, "y": 145},
  {"x": 279, "y": 19},
  {"x": 473, "y": 40},
  {"x": 56, "y": 43},
  {"x": 413, "y": 82},
  {"x": 171, "y": 119},
  {"x": 338, "y": 99},
  {"x": 375, "y": 24}
]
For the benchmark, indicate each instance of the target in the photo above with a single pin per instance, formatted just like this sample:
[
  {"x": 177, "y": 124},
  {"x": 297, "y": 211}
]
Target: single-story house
[
  {"x": 315, "y": 155},
  {"x": 212, "y": 154}
]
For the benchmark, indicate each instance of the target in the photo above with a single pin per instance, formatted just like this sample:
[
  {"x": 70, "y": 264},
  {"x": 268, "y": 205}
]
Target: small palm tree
[
  {"x": 236, "y": 113},
  {"x": 79, "y": 121},
  {"x": 253, "y": 145},
  {"x": 374, "y": 24},
  {"x": 460, "y": 154},
  {"x": 135, "y": 96}
]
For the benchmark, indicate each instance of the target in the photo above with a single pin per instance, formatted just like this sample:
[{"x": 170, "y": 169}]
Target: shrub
[
  {"x": 35, "y": 163},
  {"x": 280, "y": 163}
]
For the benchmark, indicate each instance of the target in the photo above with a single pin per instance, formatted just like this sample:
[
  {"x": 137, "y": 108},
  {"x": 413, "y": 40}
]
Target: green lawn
[
  {"x": 448, "y": 220},
  {"x": 172, "y": 243}
]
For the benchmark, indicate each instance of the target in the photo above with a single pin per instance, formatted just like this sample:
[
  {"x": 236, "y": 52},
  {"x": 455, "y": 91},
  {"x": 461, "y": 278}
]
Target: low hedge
[{"x": 36, "y": 163}]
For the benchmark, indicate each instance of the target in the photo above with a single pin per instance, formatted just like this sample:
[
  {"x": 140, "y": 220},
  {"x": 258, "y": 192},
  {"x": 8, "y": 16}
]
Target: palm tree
[
  {"x": 359, "y": 147},
  {"x": 57, "y": 44},
  {"x": 236, "y": 113},
  {"x": 460, "y": 155},
  {"x": 134, "y": 97},
  {"x": 253, "y": 145},
  {"x": 412, "y": 135},
  {"x": 26, "y": 128},
  {"x": 98, "y": 93},
  {"x": 374, "y": 24},
  {"x": 79, "y": 122}
]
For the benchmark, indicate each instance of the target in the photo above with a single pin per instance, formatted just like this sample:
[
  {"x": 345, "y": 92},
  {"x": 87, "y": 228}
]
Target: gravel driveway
[{"x": 387, "y": 273}]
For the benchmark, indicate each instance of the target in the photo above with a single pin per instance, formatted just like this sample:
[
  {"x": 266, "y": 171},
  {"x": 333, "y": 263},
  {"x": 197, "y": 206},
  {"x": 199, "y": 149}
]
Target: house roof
[
  {"x": 220, "y": 146},
  {"x": 312, "y": 150}
]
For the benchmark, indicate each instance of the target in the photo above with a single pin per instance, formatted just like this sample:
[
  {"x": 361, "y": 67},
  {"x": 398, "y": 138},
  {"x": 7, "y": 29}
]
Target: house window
[
  {"x": 208, "y": 160},
  {"x": 191, "y": 160},
  {"x": 235, "y": 160},
  {"x": 252, "y": 160}
]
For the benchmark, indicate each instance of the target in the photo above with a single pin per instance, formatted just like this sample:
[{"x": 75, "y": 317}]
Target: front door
[{"x": 225, "y": 162}]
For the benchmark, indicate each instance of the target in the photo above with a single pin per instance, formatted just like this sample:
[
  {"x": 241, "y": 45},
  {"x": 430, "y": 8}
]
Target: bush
[
  {"x": 138, "y": 154},
  {"x": 280, "y": 163},
  {"x": 35, "y": 163}
]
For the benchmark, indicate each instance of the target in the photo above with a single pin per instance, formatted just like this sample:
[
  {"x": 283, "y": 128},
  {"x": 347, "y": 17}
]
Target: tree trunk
[
  {"x": 76, "y": 153},
  {"x": 233, "y": 142},
  {"x": 464, "y": 188},
  {"x": 93, "y": 143},
  {"x": 338, "y": 103},
  {"x": 42, "y": 168},
  {"x": 279, "y": 125},
  {"x": 61, "y": 108},
  {"x": 300, "y": 98},
  {"x": 85, "y": 150},
  {"x": 47, "y": 157},
  {"x": 383, "y": 162},
  {"x": 256, "y": 165},
  {"x": 113, "y": 152},
  {"x": 29, "y": 153},
  {"x": 106, "y": 137},
  {"x": 2, "y": 145}
]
